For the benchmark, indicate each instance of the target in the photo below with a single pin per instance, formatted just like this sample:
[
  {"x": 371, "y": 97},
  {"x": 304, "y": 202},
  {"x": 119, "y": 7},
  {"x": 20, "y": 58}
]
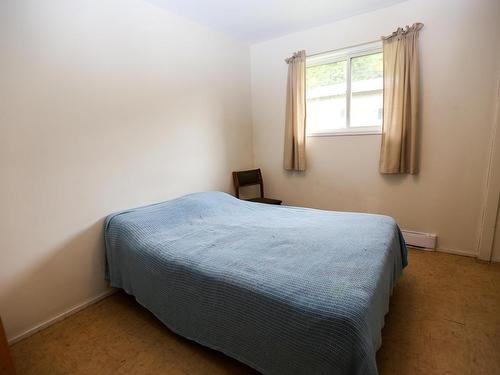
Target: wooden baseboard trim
[
  {"x": 446, "y": 251},
  {"x": 61, "y": 316},
  {"x": 457, "y": 252}
]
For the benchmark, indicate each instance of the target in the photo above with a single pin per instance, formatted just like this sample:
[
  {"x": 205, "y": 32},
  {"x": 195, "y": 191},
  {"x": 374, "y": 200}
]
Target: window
[{"x": 345, "y": 91}]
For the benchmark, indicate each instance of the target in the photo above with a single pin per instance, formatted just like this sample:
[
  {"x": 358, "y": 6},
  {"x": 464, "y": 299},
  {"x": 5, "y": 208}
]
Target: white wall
[
  {"x": 458, "y": 58},
  {"x": 494, "y": 183},
  {"x": 495, "y": 256},
  {"x": 104, "y": 105},
  {"x": 496, "y": 165},
  {"x": 490, "y": 236}
]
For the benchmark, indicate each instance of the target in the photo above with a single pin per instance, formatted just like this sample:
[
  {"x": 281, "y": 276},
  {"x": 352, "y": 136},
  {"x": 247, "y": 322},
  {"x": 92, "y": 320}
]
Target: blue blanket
[{"x": 286, "y": 290}]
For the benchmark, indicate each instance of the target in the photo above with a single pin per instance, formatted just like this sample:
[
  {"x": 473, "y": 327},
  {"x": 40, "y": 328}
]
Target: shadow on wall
[{"x": 40, "y": 293}]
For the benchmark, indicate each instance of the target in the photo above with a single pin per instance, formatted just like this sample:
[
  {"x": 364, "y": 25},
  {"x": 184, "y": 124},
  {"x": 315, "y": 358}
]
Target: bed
[{"x": 286, "y": 290}]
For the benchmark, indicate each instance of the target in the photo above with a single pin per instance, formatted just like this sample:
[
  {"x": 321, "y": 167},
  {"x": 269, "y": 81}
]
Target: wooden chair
[{"x": 249, "y": 178}]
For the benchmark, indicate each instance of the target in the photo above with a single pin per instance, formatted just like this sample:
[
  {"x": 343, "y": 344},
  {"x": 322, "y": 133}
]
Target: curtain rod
[
  {"x": 335, "y": 50},
  {"x": 415, "y": 27}
]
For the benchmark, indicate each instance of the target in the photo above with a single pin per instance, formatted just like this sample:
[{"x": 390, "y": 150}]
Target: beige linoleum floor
[{"x": 444, "y": 319}]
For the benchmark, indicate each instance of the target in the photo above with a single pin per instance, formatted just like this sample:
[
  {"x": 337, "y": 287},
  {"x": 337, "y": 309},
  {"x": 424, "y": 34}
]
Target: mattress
[{"x": 286, "y": 290}]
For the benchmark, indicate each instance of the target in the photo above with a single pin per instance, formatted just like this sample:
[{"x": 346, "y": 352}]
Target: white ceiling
[{"x": 257, "y": 20}]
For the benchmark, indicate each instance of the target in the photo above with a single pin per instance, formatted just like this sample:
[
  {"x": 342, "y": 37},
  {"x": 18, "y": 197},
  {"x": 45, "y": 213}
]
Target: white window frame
[{"x": 340, "y": 55}]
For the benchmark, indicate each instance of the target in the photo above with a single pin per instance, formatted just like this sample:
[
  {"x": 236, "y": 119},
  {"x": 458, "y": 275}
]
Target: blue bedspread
[{"x": 286, "y": 290}]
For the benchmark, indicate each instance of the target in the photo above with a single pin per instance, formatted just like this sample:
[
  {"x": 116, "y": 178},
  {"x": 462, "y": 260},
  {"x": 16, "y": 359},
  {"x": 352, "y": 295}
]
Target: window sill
[{"x": 344, "y": 133}]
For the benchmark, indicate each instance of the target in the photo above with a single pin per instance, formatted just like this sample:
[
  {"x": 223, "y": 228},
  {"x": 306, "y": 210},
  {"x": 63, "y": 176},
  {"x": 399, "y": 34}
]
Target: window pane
[
  {"x": 326, "y": 96},
  {"x": 367, "y": 90}
]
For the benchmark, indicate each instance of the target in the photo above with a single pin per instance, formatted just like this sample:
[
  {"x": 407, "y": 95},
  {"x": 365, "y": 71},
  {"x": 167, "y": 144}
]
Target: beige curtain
[
  {"x": 398, "y": 152},
  {"x": 295, "y": 123}
]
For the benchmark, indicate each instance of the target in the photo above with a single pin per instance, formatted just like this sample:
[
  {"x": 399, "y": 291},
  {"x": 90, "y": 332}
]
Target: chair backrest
[{"x": 248, "y": 178}]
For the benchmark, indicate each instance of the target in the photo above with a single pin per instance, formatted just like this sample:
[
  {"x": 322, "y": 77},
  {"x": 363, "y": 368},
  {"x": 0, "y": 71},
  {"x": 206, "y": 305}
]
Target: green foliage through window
[
  {"x": 367, "y": 67},
  {"x": 362, "y": 68},
  {"x": 326, "y": 75}
]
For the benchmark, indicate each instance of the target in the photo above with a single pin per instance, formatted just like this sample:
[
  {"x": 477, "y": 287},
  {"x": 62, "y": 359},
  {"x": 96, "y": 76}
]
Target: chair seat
[{"x": 265, "y": 200}]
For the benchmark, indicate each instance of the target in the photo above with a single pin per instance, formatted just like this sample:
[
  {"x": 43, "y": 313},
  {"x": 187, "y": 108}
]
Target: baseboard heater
[{"x": 423, "y": 241}]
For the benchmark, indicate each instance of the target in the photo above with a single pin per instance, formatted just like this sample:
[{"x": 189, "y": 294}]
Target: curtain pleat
[
  {"x": 398, "y": 152},
  {"x": 295, "y": 122}
]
